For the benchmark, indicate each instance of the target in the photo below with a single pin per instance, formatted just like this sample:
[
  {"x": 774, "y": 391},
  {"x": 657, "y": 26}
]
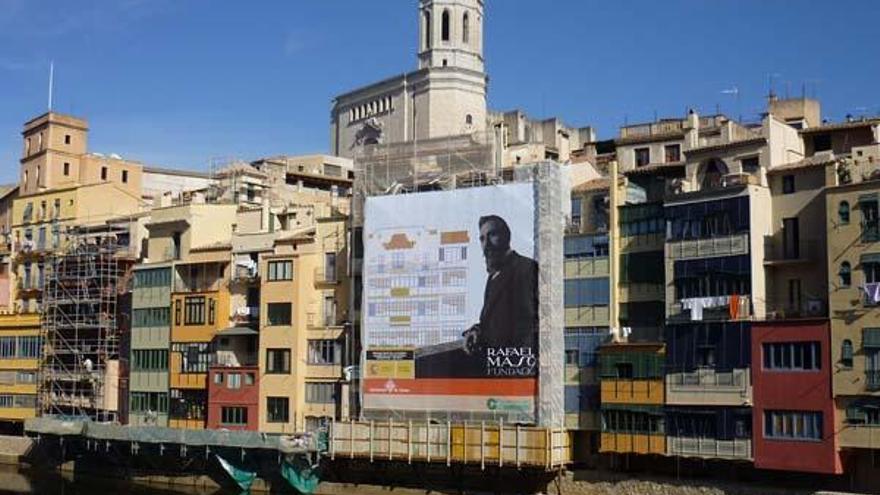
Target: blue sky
[{"x": 179, "y": 82}]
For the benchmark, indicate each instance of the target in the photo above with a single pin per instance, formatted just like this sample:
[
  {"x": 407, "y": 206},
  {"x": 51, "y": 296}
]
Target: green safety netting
[
  {"x": 244, "y": 479},
  {"x": 301, "y": 475}
]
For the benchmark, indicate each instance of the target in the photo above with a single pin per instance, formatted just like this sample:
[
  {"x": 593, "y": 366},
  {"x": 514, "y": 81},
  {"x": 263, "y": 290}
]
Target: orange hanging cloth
[{"x": 734, "y": 306}]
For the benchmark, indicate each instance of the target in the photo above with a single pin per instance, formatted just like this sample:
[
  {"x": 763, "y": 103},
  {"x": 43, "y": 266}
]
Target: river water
[{"x": 41, "y": 482}]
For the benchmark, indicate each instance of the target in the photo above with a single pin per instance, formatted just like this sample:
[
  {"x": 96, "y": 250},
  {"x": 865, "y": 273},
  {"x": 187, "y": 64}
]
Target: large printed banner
[{"x": 450, "y": 309}]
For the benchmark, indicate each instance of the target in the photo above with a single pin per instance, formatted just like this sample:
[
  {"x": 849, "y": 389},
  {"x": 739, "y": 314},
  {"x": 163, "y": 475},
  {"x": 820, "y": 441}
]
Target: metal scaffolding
[{"x": 80, "y": 367}]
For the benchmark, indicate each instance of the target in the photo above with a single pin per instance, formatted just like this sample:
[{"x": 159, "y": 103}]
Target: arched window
[
  {"x": 444, "y": 26},
  {"x": 465, "y": 29},
  {"x": 427, "y": 30},
  {"x": 845, "y": 274},
  {"x": 846, "y": 353},
  {"x": 843, "y": 213},
  {"x": 711, "y": 172},
  {"x": 468, "y": 119}
]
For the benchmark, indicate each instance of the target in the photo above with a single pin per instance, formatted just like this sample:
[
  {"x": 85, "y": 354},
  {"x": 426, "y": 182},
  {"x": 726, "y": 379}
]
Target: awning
[{"x": 233, "y": 331}]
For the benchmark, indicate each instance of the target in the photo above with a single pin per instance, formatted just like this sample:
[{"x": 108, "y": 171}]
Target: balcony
[
  {"x": 325, "y": 276},
  {"x": 197, "y": 285},
  {"x": 631, "y": 391},
  {"x": 586, "y": 267},
  {"x": 716, "y": 308},
  {"x": 245, "y": 274},
  {"x": 321, "y": 321},
  {"x": 234, "y": 359},
  {"x": 732, "y": 245},
  {"x": 804, "y": 308},
  {"x": 709, "y": 448},
  {"x": 709, "y": 387},
  {"x": 860, "y": 436},
  {"x": 587, "y": 316},
  {"x": 246, "y": 314},
  {"x": 636, "y": 443},
  {"x": 777, "y": 253}
]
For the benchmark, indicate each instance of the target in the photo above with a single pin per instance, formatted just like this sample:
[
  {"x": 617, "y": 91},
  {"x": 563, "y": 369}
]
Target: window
[
  {"x": 843, "y": 213},
  {"x": 787, "y": 184},
  {"x": 67, "y": 139},
  {"x": 643, "y": 156},
  {"x": 444, "y": 26},
  {"x": 277, "y": 409},
  {"x": 57, "y": 211},
  {"x": 26, "y": 377},
  {"x": 324, "y": 352},
  {"x": 233, "y": 416},
  {"x": 195, "y": 310},
  {"x": 870, "y": 225},
  {"x": 277, "y": 361},
  {"x": 233, "y": 380},
  {"x": 673, "y": 153},
  {"x": 585, "y": 246},
  {"x": 150, "y": 317},
  {"x": 194, "y": 357},
  {"x": 280, "y": 270},
  {"x": 66, "y": 168},
  {"x": 154, "y": 277},
  {"x": 278, "y": 314},
  {"x": 750, "y": 164},
  {"x": 576, "y": 205},
  {"x": 188, "y": 404},
  {"x": 142, "y": 402},
  {"x": 822, "y": 142},
  {"x": 586, "y": 292},
  {"x": 28, "y": 347},
  {"x": 790, "y": 238},
  {"x": 427, "y": 29},
  {"x": 469, "y": 119},
  {"x": 844, "y": 275},
  {"x": 149, "y": 360},
  {"x": 103, "y": 173},
  {"x": 330, "y": 267},
  {"x": 793, "y": 425},
  {"x": 124, "y": 176},
  {"x": 320, "y": 393},
  {"x": 871, "y": 348},
  {"x": 218, "y": 378},
  {"x": 572, "y": 357},
  {"x": 792, "y": 356},
  {"x": 249, "y": 378},
  {"x": 846, "y": 353},
  {"x": 465, "y": 29}
]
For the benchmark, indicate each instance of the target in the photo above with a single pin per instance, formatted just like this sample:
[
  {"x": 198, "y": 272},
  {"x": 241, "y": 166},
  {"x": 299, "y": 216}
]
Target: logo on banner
[{"x": 510, "y": 361}]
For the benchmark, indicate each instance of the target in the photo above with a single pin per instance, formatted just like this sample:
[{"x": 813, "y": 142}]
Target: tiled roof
[
  {"x": 731, "y": 144},
  {"x": 593, "y": 185},
  {"x": 655, "y": 167},
  {"x": 809, "y": 162},
  {"x": 840, "y": 126}
]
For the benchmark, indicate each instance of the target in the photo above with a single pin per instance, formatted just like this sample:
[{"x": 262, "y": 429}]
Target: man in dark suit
[{"x": 509, "y": 317}]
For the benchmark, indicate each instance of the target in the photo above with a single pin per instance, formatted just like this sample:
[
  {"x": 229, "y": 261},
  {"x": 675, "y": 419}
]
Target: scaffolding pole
[{"x": 79, "y": 371}]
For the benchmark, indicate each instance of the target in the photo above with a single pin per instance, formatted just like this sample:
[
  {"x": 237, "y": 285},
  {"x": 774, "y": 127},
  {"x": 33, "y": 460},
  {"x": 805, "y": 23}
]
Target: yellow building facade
[{"x": 20, "y": 352}]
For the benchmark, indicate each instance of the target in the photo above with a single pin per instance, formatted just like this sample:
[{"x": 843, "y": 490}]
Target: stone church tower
[{"x": 445, "y": 96}]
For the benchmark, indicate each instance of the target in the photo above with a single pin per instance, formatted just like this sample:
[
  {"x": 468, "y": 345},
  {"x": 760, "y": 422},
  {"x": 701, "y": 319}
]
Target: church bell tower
[{"x": 451, "y": 34}]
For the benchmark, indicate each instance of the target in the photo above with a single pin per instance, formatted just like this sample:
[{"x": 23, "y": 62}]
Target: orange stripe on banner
[{"x": 453, "y": 386}]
